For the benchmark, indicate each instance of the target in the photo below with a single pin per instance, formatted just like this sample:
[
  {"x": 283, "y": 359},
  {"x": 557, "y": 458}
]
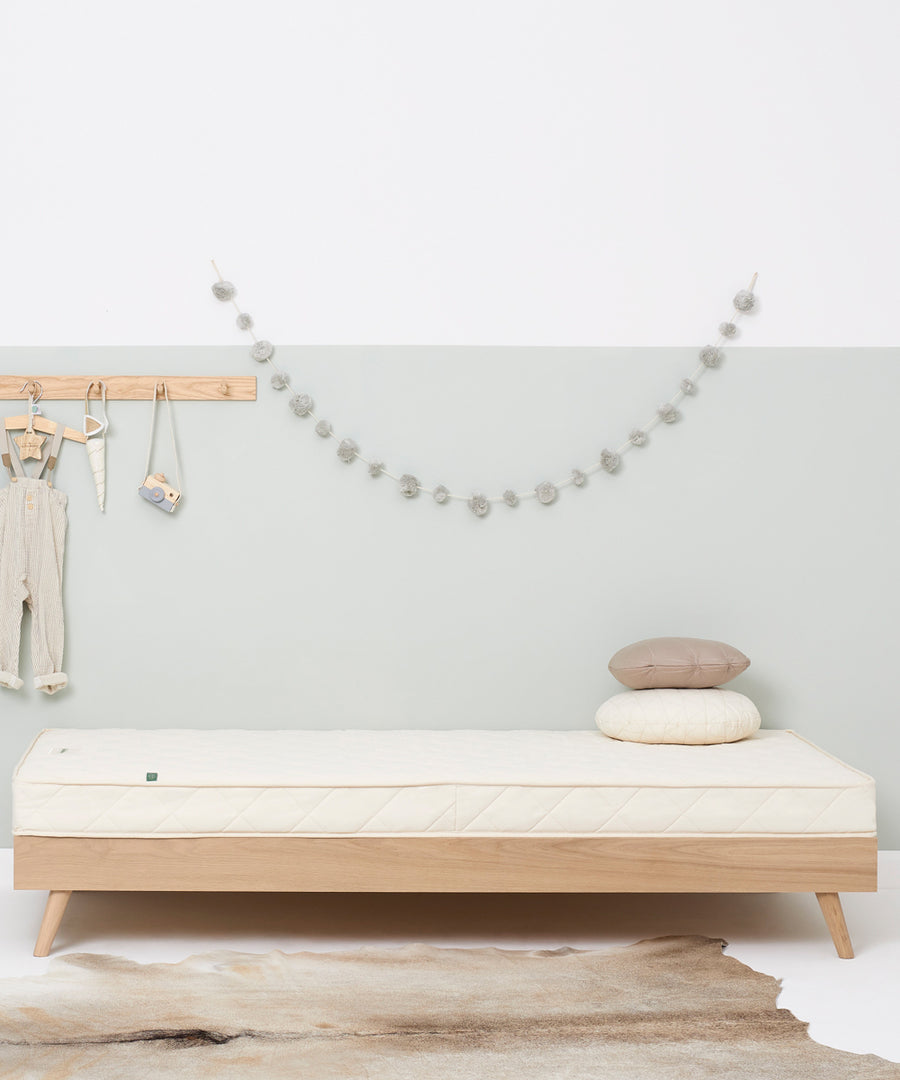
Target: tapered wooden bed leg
[
  {"x": 830, "y": 903},
  {"x": 53, "y": 913}
]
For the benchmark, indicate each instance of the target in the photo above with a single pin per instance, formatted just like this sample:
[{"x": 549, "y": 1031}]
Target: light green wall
[{"x": 293, "y": 590}]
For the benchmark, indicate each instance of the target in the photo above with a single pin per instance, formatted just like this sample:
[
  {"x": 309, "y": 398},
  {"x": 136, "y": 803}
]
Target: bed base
[{"x": 825, "y": 865}]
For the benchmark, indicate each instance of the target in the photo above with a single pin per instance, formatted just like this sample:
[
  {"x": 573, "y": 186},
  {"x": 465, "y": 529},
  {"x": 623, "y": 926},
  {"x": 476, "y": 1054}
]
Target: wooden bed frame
[{"x": 825, "y": 865}]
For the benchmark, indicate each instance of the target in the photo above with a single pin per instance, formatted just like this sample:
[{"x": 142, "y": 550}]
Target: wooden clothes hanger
[{"x": 39, "y": 423}]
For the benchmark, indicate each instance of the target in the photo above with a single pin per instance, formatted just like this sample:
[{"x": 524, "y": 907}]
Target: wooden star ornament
[{"x": 30, "y": 445}]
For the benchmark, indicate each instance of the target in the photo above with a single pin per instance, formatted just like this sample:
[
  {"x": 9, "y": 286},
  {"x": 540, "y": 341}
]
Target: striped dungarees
[{"x": 32, "y": 541}]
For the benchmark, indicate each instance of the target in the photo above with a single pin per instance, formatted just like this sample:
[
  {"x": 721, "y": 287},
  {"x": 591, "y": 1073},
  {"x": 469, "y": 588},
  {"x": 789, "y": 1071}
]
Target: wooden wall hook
[{"x": 32, "y": 388}]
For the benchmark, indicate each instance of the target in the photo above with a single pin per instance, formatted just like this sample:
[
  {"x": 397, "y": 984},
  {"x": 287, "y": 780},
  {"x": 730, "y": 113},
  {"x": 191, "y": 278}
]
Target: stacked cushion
[
  {"x": 695, "y": 717},
  {"x": 682, "y": 663},
  {"x": 674, "y": 695}
]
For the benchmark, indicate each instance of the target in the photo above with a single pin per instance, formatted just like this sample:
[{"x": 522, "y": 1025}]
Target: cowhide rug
[{"x": 659, "y": 1010}]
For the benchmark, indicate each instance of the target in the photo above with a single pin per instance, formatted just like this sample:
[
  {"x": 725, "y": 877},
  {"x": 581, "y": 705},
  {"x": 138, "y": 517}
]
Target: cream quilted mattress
[{"x": 120, "y": 782}]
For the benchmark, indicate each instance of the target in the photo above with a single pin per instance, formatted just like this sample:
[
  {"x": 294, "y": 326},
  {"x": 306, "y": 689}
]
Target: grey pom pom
[
  {"x": 262, "y": 350},
  {"x": 578, "y": 478},
  {"x": 244, "y": 321},
  {"x": 637, "y": 437},
  {"x": 727, "y": 329},
  {"x": 687, "y": 387},
  {"x": 376, "y": 468},
  {"x": 224, "y": 290},
  {"x": 510, "y": 497},
  {"x": 745, "y": 300},
  {"x": 478, "y": 504},
  {"x": 301, "y": 404},
  {"x": 323, "y": 428},
  {"x": 710, "y": 355},
  {"x": 440, "y": 494},
  {"x": 609, "y": 460},
  {"x": 279, "y": 380},
  {"x": 667, "y": 413},
  {"x": 409, "y": 486},
  {"x": 546, "y": 492},
  {"x": 347, "y": 450}
]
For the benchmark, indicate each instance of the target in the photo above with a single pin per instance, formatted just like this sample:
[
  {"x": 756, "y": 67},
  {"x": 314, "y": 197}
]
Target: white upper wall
[{"x": 449, "y": 171}]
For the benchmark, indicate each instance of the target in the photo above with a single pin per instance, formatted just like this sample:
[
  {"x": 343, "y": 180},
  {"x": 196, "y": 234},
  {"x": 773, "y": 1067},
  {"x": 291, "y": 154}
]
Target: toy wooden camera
[{"x": 156, "y": 490}]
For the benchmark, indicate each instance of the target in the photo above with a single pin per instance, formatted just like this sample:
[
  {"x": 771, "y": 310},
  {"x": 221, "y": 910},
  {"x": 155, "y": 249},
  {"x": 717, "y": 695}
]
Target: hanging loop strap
[
  {"x": 156, "y": 387},
  {"x": 103, "y": 424}
]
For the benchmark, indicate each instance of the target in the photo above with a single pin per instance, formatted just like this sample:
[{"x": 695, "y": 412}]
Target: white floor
[{"x": 850, "y": 1004}]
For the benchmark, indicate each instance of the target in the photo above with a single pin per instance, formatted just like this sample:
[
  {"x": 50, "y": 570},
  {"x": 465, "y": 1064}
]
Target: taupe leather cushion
[{"x": 677, "y": 662}]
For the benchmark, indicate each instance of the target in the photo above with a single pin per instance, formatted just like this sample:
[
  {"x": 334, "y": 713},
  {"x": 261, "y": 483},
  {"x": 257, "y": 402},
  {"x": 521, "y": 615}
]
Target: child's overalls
[{"x": 32, "y": 539}]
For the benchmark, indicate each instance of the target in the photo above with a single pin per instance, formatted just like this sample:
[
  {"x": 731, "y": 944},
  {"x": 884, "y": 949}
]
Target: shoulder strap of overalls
[
  {"x": 11, "y": 459},
  {"x": 49, "y": 463}
]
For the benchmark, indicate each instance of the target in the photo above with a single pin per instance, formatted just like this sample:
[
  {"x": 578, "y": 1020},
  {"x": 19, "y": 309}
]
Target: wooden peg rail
[{"x": 134, "y": 387}]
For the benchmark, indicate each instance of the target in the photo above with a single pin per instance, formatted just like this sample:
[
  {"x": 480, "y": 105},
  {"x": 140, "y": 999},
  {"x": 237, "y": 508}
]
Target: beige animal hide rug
[{"x": 670, "y": 1009}]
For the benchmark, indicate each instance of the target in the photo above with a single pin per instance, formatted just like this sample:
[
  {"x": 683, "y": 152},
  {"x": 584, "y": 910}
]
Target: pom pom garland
[{"x": 546, "y": 492}]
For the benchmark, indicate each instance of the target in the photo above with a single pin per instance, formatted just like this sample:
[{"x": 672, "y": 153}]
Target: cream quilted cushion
[{"x": 678, "y": 716}]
